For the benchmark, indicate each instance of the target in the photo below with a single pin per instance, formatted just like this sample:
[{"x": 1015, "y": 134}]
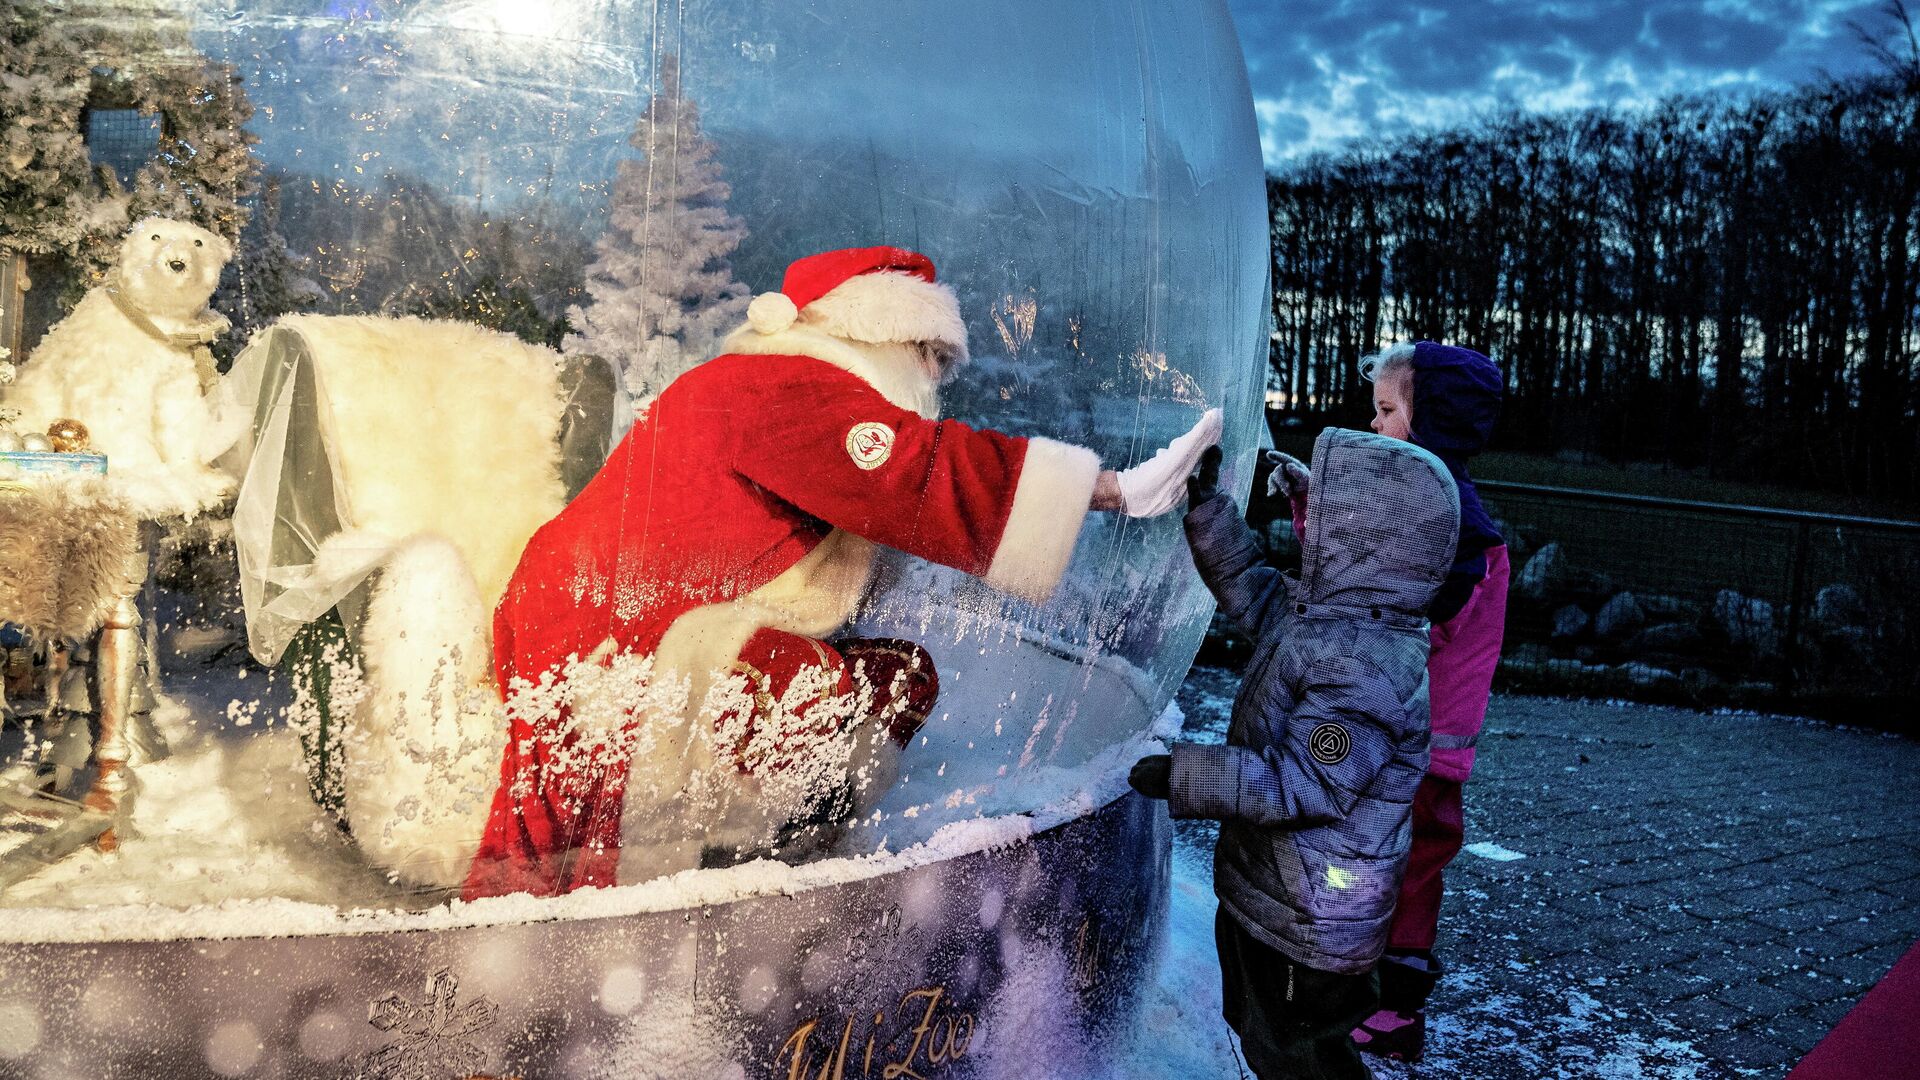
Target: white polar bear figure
[{"x": 131, "y": 363}]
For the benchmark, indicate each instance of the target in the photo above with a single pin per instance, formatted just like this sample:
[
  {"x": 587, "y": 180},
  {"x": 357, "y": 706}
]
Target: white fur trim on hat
[
  {"x": 890, "y": 306},
  {"x": 772, "y": 312}
]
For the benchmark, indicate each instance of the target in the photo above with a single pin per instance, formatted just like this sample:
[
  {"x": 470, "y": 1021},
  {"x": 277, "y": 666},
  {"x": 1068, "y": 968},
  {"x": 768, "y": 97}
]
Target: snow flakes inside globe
[
  {"x": 233, "y": 1048},
  {"x": 991, "y": 903},
  {"x": 823, "y": 967},
  {"x": 924, "y": 899},
  {"x": 19, "y": 1028},
  {"x": 115, "y": 1003},
  {"x": 622, "y": 990},
  {"x": 671, "y": 1037},
  {"x": 757, "y": 990},
  {"x": 328, "y": 1036},
  {"x": 495, "y": 965}
]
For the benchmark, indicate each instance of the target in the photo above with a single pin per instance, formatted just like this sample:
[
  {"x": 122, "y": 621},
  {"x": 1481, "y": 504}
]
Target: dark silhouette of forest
[{"x": 1720, "y": 285}]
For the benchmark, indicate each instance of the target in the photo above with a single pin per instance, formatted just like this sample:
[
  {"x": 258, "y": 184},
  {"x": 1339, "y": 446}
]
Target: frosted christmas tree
[
  {"x": 46, "y": 191},
  {"x": 661, "y": 288}
]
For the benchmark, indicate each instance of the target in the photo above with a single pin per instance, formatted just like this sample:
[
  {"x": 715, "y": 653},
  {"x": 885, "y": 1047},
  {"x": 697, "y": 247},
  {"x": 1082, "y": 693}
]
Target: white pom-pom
[{"x": 772, "y": 312}]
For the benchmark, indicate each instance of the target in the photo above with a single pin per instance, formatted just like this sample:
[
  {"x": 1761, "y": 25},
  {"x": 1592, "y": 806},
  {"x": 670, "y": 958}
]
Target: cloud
[{"x": 1328, "y": 71}]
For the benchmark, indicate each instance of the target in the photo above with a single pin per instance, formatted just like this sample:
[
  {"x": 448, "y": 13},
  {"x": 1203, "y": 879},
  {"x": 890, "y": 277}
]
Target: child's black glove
[
  {"x": 1152, "y": 776},
  {"x": 1205, "y": 480}
]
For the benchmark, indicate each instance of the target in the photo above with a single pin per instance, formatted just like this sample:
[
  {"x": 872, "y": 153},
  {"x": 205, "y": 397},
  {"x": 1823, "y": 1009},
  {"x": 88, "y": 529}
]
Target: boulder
[
  {"x": 1747, "y": 623},
  {"x": 1518, "y": 546},
  {"x": 1570, "y": 622},
  {"x": 1669, "y": 609},
  {"x": 1619, "y": 618},
  {"x": 1549, "y": 576},
  {"x": 1527, "y": 656},
  {"x": 1667, "y": 637},
  {"x": 1838, "y": 606},
  {"x": 1848, "y": 655},
  {"x": 1538, "y": 578},
  {"x": 1700, "y": 680},
  {"x": 1646, "y": 675}
]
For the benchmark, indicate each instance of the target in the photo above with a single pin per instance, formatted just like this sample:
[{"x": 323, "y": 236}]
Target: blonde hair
[{"x": 1388, "y": 362}]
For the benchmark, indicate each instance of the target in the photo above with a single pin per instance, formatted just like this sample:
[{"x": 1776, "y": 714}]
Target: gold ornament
[{"x": 68, "y": 436}]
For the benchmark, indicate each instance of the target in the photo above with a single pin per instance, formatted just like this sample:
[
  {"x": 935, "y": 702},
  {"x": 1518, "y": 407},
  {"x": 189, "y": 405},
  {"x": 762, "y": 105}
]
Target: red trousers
[{"x": 1437, "y": 833}]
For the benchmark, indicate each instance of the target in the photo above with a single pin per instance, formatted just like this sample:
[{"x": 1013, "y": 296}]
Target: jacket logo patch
[
  {"x": 870, "y": 444},
  {"x": 1329, "y": 744}
]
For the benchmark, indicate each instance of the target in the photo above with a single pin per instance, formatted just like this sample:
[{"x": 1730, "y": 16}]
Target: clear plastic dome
[{"x": 471, "y": 237}]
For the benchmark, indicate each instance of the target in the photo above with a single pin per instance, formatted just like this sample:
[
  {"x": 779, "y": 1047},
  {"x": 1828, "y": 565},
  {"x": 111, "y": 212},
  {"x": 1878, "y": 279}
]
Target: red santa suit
[{"x": 736, "y": 524}]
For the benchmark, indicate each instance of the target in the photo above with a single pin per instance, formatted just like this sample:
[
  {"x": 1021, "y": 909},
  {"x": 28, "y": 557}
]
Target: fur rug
[{"x": 65, "y": 550}]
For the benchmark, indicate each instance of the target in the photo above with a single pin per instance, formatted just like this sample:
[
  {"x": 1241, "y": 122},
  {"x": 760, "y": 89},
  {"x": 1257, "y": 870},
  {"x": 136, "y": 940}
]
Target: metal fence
[{"x": 1710, "y": 602}]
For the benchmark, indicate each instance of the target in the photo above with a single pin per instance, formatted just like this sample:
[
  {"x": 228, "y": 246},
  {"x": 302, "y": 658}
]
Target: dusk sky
[{"x": 1325, "y": 71}]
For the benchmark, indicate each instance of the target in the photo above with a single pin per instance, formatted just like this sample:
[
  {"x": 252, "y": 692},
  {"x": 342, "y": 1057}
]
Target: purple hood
[{"x": 1456, "y": 402}]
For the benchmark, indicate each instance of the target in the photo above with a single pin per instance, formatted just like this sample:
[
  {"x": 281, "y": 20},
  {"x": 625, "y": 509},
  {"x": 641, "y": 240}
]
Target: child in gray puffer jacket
[{"x": 1314, "y": 787}]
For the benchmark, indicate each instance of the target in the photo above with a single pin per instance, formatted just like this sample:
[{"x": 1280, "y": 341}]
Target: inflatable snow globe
[{"x": 603, "y": 540}]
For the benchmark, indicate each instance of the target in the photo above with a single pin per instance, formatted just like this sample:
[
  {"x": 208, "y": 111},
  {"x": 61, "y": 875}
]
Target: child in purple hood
[{"x": 1444, "y": 399}]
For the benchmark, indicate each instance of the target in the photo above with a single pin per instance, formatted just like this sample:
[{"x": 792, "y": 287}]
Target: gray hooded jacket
[{"x": 1314, "y": 787}]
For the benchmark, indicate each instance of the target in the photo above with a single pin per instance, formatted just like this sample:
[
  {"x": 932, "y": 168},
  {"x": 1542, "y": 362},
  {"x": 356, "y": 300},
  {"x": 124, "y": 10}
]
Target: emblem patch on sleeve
[
  {"x": 870, "y": 444},
  {"x": 1329, "y": 744}
]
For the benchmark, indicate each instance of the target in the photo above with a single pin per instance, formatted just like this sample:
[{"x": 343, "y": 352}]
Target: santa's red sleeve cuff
[{"x": 1049, "y": 505}]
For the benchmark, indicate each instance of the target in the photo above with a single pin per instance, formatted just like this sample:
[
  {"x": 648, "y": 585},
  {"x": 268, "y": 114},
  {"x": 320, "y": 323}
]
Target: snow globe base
[{"x": 976, "y": 954}]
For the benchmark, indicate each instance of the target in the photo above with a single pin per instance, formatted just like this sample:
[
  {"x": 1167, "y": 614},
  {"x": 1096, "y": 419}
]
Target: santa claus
[{"x": 727, "y": 539}]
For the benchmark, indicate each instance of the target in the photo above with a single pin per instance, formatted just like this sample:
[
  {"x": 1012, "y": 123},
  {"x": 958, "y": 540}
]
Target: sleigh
[{"x": 395, "y": 470}]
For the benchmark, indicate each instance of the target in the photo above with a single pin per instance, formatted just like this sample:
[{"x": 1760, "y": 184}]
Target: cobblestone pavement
[{"x": 1695, "y": 894}]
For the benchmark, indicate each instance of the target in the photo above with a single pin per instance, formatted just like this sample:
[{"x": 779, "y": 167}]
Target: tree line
[{"x": 1725, "y": 286}]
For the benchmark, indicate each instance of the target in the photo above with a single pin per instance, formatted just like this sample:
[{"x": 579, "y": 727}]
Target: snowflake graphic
[{"x": 434, "y": 1037}]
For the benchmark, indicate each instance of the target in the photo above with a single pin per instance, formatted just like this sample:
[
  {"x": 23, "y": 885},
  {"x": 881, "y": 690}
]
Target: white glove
[
  {"x": 1157, "y": 484},
  {"x": 1290, "y": 477}
]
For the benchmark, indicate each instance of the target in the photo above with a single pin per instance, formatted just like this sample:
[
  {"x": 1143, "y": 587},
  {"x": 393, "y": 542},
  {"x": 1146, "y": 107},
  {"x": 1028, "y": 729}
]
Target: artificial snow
[{"x": 226, "y": 843}]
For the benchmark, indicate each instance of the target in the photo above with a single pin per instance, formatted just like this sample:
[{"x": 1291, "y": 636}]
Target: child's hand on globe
[{"x": 1205, "y": 479}]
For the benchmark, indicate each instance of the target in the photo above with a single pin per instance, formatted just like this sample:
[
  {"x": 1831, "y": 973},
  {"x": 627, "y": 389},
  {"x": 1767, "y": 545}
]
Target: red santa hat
[{"x": 872, "y": 294}]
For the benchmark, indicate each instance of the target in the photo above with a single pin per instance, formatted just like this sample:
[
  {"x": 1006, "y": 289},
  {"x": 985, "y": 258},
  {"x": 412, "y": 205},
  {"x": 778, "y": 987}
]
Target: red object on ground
[{"x": 1880, "y": 1038}]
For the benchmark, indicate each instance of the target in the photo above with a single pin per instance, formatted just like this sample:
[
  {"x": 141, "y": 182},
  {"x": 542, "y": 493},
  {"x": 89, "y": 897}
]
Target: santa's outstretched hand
[{"x": 1158, "y": 484}]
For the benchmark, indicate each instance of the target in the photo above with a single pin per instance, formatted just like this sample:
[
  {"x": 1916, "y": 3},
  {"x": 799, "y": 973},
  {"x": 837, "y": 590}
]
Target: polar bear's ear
[{"x": 221, "y": 245}]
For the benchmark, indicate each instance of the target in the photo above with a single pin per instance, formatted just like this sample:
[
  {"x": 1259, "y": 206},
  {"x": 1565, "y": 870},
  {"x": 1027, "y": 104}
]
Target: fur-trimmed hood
[{"x": 896, "y": 370}]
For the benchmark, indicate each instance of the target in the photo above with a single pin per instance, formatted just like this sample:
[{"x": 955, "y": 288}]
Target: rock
[
  {"x": 1540, "y": 573},
  {"x": 1646, "y": 675},
  {"x": 1747, "y": 623},
  {"x": 1669, "y": 609},
  {"x": 1518, "y": 547},
  {"x": 1838, "y": 606},
  {"x": 1848, "y": 654},
  {"x": 1669, "y": 637},
  {"x": 1619, "y": 618},
  {"x": 1699, "y": 680},
  {"x": 1570, "y": 622},
  {"x": 1529, "y": 656}
]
